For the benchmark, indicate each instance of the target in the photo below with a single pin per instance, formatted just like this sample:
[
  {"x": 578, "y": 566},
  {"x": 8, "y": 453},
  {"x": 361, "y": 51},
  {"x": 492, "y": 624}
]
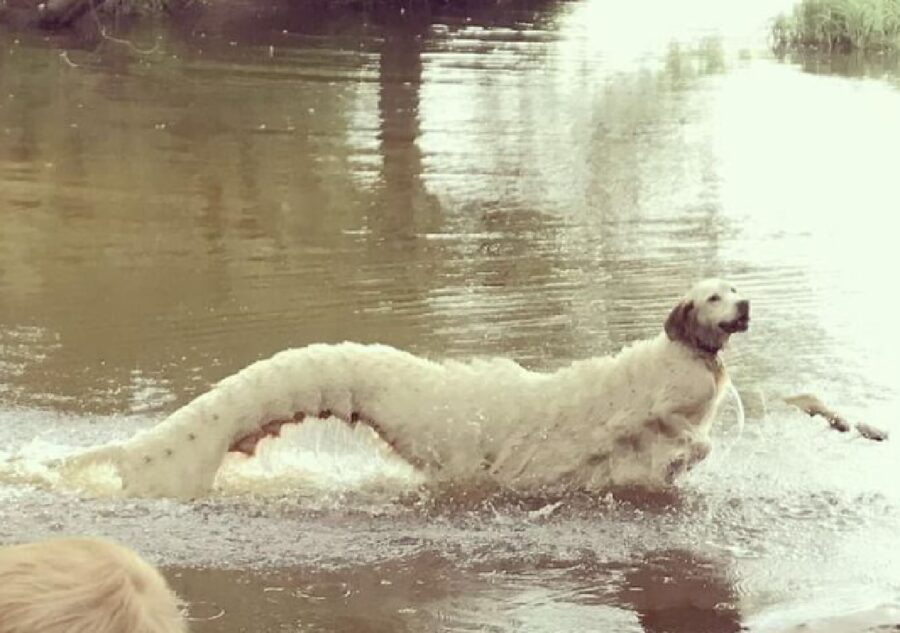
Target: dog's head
[{"x": 710, "y": 312}]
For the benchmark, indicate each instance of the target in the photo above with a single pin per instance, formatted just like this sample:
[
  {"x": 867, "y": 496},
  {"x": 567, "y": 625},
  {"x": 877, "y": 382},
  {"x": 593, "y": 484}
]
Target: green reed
[{"x": 841, "y": 25}]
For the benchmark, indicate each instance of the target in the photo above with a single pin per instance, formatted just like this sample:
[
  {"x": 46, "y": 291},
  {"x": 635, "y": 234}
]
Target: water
[{"x": 532, "y": 182}]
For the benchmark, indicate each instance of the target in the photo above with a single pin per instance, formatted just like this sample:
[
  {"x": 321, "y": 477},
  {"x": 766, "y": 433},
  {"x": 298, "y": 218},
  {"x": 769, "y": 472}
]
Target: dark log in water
[
  {"x": 60, "y": 13},
  {"x": 47, "y": 14},
  {"x": 812, "y": 406},
  {"x": 55, "y": 14},
  {"x": 253, "y": 20}
]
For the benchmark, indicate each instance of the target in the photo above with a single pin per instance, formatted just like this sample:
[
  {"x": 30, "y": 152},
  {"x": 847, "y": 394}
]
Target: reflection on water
[
  {"x": 537, "y": 181},
  {"x": 668, "y": 591},
  {"x": 674, "y": 591}
]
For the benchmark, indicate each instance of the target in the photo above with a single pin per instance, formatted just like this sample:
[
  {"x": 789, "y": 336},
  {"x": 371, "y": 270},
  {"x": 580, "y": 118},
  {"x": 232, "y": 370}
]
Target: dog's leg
[{"x": 655, "y": 452}]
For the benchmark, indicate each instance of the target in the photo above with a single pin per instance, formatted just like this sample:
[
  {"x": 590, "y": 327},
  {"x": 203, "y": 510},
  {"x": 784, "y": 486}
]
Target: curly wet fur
[
  {"x": 83, "y": 586},
  {"x": 640, "y": 417}
]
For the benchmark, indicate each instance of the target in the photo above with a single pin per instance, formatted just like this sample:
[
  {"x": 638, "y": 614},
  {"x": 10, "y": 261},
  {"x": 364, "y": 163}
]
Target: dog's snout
[{"x": 743, "y": 307}]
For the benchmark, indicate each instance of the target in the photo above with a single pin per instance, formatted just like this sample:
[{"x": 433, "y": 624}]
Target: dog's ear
[
  {"x": 682, "y": 325},
  {"x": 679, "y": 325}
]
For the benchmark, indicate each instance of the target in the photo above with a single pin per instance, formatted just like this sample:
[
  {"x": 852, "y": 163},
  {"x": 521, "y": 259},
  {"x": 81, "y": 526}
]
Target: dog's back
[{"x": 83, "y": 586}]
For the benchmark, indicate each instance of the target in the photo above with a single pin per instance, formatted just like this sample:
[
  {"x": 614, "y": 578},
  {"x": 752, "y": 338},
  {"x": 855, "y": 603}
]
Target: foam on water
[
  {"x": 34, "y": 464},
  {"x": 316, "y": 498},
  {"x": 318, "y": 456},
  {"x": 842, "y": 614}
]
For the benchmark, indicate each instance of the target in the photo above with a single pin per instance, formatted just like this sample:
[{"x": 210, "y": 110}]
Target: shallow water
[{"x": 538, "y": 184}]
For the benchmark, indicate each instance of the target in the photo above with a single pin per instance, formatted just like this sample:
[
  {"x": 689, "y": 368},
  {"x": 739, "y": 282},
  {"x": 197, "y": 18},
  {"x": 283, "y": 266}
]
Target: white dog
[
  {"x": 640, "y": 417},
  {"x": 83, "y": 586}
]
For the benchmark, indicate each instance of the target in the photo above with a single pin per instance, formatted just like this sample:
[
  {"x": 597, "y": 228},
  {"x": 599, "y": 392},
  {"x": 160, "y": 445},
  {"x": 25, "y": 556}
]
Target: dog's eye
[{"x": 714, "y": 298}]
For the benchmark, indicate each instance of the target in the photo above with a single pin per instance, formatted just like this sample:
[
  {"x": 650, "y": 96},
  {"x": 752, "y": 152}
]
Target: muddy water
[{"x": 534, "y": 183}]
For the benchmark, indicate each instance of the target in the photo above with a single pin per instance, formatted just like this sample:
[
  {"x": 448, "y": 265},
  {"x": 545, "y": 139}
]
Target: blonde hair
[{"x": 83, "y": 586}]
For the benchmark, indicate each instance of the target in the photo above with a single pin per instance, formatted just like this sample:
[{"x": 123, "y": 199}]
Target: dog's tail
[{"x": 111, "y": 454}]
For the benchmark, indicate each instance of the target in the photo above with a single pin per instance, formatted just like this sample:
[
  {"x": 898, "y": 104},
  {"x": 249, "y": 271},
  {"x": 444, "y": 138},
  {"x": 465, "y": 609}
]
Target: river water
[{"x": 534, "y": 182}]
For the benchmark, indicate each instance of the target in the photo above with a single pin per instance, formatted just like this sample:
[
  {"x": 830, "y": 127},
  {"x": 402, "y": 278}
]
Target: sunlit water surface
[{"x": 539, "y": 184}]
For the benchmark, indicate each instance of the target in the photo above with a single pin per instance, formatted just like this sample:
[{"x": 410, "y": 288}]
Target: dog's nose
[{"x": 743, "y": 307}]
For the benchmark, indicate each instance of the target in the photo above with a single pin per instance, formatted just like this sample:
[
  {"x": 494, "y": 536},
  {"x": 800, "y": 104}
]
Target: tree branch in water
[{"x": 57, "y": 14}]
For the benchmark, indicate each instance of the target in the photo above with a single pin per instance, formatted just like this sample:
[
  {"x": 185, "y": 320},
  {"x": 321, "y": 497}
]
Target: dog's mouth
[{"x": 740, "y": 324}]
